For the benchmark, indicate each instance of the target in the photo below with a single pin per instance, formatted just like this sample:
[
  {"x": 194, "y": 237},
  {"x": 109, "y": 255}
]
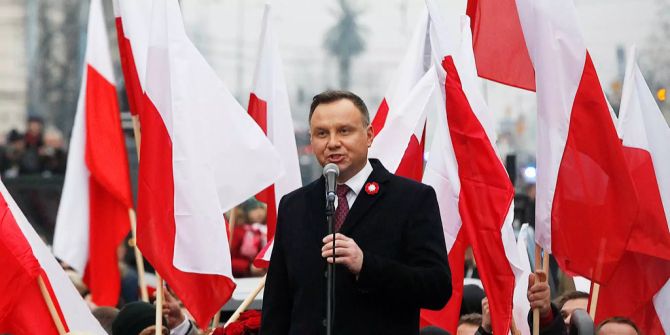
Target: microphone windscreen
[{"x": 330, "y": 168}]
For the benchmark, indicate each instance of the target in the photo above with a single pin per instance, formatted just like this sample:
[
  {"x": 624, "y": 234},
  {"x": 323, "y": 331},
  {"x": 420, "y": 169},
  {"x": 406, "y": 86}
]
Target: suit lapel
[{"x": 364, "y": 200}]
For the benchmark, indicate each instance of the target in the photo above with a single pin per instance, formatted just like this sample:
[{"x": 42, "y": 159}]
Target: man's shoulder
[
  {"x": 300, "y": 192},
  {"x": 408, "y": 184}
]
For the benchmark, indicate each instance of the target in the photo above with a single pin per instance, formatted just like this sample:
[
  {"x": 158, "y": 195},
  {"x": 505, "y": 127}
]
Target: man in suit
[{"x": 390, "y": 251}]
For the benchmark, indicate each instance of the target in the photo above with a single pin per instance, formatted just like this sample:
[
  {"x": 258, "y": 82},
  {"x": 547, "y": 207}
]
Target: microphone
[{"x": 330, "y": 172}]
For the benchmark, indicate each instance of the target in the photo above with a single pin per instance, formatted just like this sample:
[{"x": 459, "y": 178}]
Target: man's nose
[{"x": 333, "y": 141}]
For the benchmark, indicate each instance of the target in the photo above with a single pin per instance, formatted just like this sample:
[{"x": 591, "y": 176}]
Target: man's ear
[{"x": 370, "y": 132}]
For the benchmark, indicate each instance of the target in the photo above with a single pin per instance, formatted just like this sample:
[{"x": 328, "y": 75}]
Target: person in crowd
[
  {"x": 105, "y": 315},
  {"x": 570, "y": 301},
  {"x": 472, "y": 299},
  {"x": 52, "y": 154},
  {"x": 11, "y": 155},
  {"x": 617, "y": 326},
  {"x": 391, "y": 258},
  {"x": 249, "y": 237},
  {"x": 34, "y": 140},
  {"x": 176, "y": 319},
  {"x": 469, "y": 324},
  {"x": 539, "y": 296},
  {"x": 137, "y": 318}
]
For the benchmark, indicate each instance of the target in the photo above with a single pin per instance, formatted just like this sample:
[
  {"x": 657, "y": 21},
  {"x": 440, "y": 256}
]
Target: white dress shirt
[{"x": 356, "y": 184}]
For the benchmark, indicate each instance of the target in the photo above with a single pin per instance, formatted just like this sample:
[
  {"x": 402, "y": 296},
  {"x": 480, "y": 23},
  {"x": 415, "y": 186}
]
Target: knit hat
[{"x": 133, "y": 318}]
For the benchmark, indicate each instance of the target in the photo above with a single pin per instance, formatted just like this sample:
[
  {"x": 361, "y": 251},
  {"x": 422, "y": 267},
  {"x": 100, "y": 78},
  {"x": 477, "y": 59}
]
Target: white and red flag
[
  {"x": 200, "y": 156},
  {"x": 586, "y": 203},
  {"x": 269, "y": 107},
  {"x": 474, "y": 191},
  {"x": 640, "y": 287},
  {"x": 25, "y": 260},
  {"x": 131, "y": 78},
  {"x": 499, "y": 44},
  {"x": 92, "y": 218},
  {"x": 400, "y": 126}
]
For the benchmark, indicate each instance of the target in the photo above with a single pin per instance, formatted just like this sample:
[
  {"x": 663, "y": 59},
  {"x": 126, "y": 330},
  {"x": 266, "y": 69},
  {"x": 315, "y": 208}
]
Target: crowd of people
[
  {"x": 564, "y": 315},
  {"x": 37, "y": 151}
]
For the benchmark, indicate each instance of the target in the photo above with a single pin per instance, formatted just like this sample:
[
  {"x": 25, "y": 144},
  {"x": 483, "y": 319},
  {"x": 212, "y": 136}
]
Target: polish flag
[
  {"x": 400, "y": 127},
  {"x": 640, "y": 286},
  {"x": 130, "y": 75},
  {"x": 201, "y": 155},
  {"x": 585, "y": 198},
  {"x": 92, "y": 218},
  {"x": 475, "y": 193},
  {"x": 25, "y": 259},
  {"x": 269, "y": 107},
  {"x": 498, "y": 43}
]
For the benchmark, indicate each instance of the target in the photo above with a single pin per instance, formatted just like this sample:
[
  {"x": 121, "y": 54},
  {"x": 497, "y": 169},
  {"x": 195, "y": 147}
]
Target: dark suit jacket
[{"x": 405, "y": 263}]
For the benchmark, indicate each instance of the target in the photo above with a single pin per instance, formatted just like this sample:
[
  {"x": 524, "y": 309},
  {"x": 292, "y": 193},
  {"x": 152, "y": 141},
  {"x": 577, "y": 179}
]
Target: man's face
[
  {"x": 570, "y": 306},
  {"x": 614, "y": 328},
  {"x": 339, "y": 136}
]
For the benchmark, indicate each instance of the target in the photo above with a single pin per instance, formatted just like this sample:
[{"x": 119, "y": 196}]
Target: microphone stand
[{"x": 330, "y": 285}]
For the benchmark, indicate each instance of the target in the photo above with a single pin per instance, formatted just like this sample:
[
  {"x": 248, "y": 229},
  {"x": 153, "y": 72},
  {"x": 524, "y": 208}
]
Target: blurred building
[{"x": 13, "y": 69}]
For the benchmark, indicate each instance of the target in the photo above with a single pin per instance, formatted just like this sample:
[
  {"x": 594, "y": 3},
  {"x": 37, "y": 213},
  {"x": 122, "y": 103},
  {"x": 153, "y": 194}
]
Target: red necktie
[{"x": 342, "y": 205}]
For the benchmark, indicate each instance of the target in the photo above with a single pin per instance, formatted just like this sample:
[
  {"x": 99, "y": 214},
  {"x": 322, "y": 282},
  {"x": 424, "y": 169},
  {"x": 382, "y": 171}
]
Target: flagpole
[
  {"x": 50, "y": 305},
  {"x": 245, "y": 304},
  {"x": 595, "y": 290},
  {"x": 541, "y": 262},
  {"x": 159, "y": 305},
  {"x": 139, "y": 261}
]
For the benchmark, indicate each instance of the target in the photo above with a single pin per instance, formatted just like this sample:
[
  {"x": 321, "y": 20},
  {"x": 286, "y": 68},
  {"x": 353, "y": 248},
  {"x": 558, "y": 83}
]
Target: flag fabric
[
  {"x": 641, "y": 282},
  {"x": 269, "y": 107},
  {"x": 475, "y": 192},
  {"x": 200, "y": 156},
  {"x": 399, "y": 126},
  {"x": 499, "y": 45},
  {"x": 582, "y": 180},
  {"x": 262, "y": 260},
  {"x": 92, "y": 218},
  {"x": 24, "y": 258},
  {"x": 131, "y": 78}
]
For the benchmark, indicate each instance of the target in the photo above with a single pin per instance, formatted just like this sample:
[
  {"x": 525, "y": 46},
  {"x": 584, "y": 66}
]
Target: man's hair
[
  {"x": 570, "y": 296},
  {"x": 105, "y": 315},
  {"x": 471, "y": 319},
  {"x": 621, "y": 320},
  {"x": 329, "y": 96}
]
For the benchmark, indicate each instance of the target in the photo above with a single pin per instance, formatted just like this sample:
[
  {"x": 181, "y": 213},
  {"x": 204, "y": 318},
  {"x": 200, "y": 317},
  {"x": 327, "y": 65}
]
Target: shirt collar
[{"x": 356, "y": 182}]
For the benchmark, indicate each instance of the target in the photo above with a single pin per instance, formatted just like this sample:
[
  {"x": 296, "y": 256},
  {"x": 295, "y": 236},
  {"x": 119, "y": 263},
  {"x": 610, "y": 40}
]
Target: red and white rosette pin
[{"x": 371, "y": 188}]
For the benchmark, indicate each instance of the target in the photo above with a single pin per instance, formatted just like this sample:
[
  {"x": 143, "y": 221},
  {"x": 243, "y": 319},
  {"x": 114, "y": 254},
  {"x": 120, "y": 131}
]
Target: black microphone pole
[
  {"x": 330, "y": 308},
  {"x": 330, "y": 172}
]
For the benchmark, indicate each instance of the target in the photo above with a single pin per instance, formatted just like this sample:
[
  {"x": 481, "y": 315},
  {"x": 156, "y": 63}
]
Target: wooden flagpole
[
  {"x": 139, "y": 261},
  {"x": 50, "y": 305},
  {"x": 595, "y": 290},
  {"x": 159, "y": 305},
  {"x": 541, "y": 262},
  {"x": 245, "y": 304}
]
